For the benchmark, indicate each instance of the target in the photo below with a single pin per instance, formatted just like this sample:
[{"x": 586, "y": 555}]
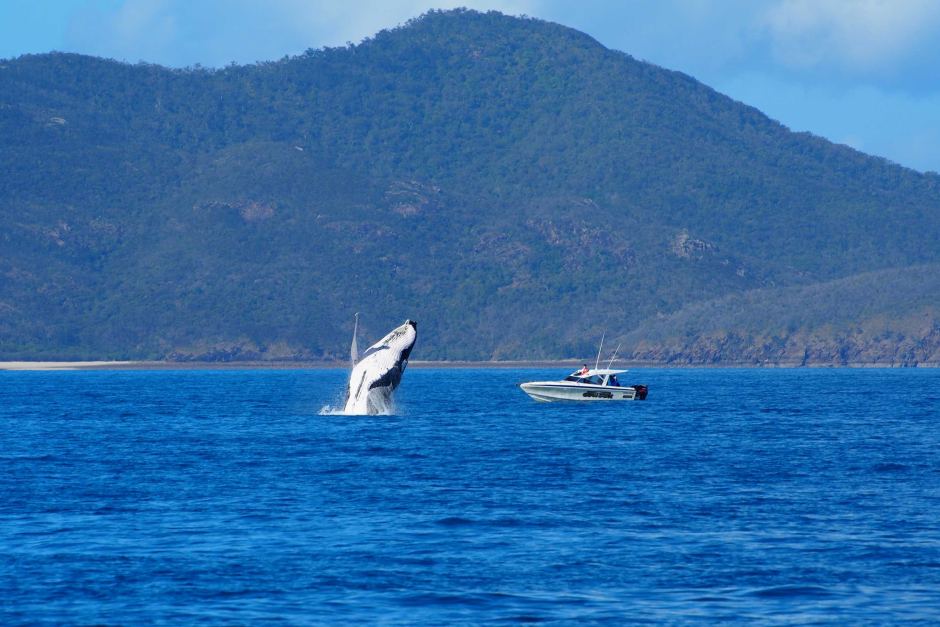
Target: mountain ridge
[{"x": 495, "y": 177}]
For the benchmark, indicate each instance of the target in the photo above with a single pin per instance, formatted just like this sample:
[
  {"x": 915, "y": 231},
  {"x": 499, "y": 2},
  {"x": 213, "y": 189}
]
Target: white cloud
[
  {"x": 134, "y": 19},
  {"x": 333, "y": 23},
  {"x": 216, "y": 32},
  {"x": 857, "y": 35},
  {"x": 133, "y": 30}
]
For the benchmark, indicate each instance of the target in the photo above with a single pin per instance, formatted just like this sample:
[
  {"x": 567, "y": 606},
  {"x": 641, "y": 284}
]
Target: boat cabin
[{"x": 602, "y": 377}]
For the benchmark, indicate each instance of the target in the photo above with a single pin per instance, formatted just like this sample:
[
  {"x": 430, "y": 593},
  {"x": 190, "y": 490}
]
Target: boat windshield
[{"x": 593, "y": 379}]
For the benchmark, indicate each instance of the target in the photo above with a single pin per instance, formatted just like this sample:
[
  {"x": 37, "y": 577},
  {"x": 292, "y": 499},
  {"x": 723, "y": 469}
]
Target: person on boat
[
  {"x": 613, "y": 381},
  {"x": 584, "y": 370}
]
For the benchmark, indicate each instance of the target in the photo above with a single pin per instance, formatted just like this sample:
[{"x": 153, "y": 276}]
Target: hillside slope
[
  {"x": 510, "y": 183},
  {"x": 888, "y": 317}
]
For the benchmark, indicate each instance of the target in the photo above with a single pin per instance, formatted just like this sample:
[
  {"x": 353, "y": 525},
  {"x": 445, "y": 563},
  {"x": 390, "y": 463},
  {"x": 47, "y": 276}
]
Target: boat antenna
[
  {"x": 613, "y": 357},
  {"x": 599, "y": 349},
  {"x": 354, "y": 347}
]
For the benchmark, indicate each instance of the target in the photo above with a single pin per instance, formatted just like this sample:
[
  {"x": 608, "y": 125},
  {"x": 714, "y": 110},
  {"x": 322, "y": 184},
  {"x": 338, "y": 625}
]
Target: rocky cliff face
[{"x": 795, "y": 349}]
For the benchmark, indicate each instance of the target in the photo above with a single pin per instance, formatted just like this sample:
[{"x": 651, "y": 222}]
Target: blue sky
[{"x": 860, "y": 72}]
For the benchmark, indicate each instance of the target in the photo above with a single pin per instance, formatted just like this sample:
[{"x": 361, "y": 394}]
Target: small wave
[
  {"x": 336, "y": 471},
  {"x": 890, "y": 467},
  {"x": 115, "y": 509},
  {"x": 431, "y": 599},
  {"x": 506, "y": 522},
  {"x": 28, "y": 458},
  {"x": 455, "y": 521},
  {"x": 791, "y": 591}
]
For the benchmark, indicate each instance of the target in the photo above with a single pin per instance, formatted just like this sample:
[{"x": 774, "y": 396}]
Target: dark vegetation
[{"x": 511, "y": 184}]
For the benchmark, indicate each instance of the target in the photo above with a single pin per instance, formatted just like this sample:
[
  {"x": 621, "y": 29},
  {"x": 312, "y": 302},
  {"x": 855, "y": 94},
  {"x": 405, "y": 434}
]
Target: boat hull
[{"x": 552, "y": 391}]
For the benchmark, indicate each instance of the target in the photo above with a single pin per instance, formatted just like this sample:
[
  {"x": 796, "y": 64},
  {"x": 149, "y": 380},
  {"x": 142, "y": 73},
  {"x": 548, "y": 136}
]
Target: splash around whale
[{"x": 378, "y": 372}]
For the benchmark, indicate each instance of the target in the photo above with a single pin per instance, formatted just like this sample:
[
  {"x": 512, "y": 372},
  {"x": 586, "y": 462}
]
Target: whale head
[{"x": 379, "y": 371}]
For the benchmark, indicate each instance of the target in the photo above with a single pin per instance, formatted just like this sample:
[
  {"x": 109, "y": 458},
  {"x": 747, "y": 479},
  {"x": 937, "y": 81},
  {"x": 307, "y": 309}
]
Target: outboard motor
[{"x": 641, "y": 391}]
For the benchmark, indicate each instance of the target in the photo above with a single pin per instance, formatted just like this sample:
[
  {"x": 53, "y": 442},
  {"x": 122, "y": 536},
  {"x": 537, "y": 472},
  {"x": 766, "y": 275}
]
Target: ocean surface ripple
[{"x": 226, "y": 497}]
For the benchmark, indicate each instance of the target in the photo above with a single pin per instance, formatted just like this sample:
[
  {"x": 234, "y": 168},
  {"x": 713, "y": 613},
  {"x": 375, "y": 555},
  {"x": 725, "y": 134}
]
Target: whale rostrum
[{"x": 379, "y": 371}]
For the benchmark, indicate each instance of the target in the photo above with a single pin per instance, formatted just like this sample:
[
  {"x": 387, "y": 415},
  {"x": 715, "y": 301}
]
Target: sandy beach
[{"x": 66, "y": 365}]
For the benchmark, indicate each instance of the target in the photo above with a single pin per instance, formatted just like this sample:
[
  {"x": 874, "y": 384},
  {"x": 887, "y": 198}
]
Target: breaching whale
[{"x": 379, "y": 371}]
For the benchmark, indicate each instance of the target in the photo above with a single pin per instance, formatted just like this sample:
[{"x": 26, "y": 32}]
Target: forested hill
[{"x": 510, "y": 183}]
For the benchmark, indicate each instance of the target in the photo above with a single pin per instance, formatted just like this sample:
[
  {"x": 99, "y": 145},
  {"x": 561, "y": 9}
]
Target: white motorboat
[{"x": 592, "y": 385}]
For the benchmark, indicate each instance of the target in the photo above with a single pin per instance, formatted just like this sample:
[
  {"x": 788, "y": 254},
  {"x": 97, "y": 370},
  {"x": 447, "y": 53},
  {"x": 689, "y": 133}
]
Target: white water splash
[{"x": 386, "y": 409}]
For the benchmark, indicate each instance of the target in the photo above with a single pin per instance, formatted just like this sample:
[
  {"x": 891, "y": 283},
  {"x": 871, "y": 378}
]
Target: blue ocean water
[{"x": 225, "y": 497}]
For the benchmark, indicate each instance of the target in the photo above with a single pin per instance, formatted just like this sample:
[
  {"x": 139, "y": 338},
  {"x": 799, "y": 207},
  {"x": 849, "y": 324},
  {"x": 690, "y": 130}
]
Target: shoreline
[{"x": 49, "y": 366}]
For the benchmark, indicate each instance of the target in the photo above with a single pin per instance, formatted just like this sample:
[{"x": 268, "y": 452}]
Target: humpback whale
[{"x": 379, "y": 370}]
